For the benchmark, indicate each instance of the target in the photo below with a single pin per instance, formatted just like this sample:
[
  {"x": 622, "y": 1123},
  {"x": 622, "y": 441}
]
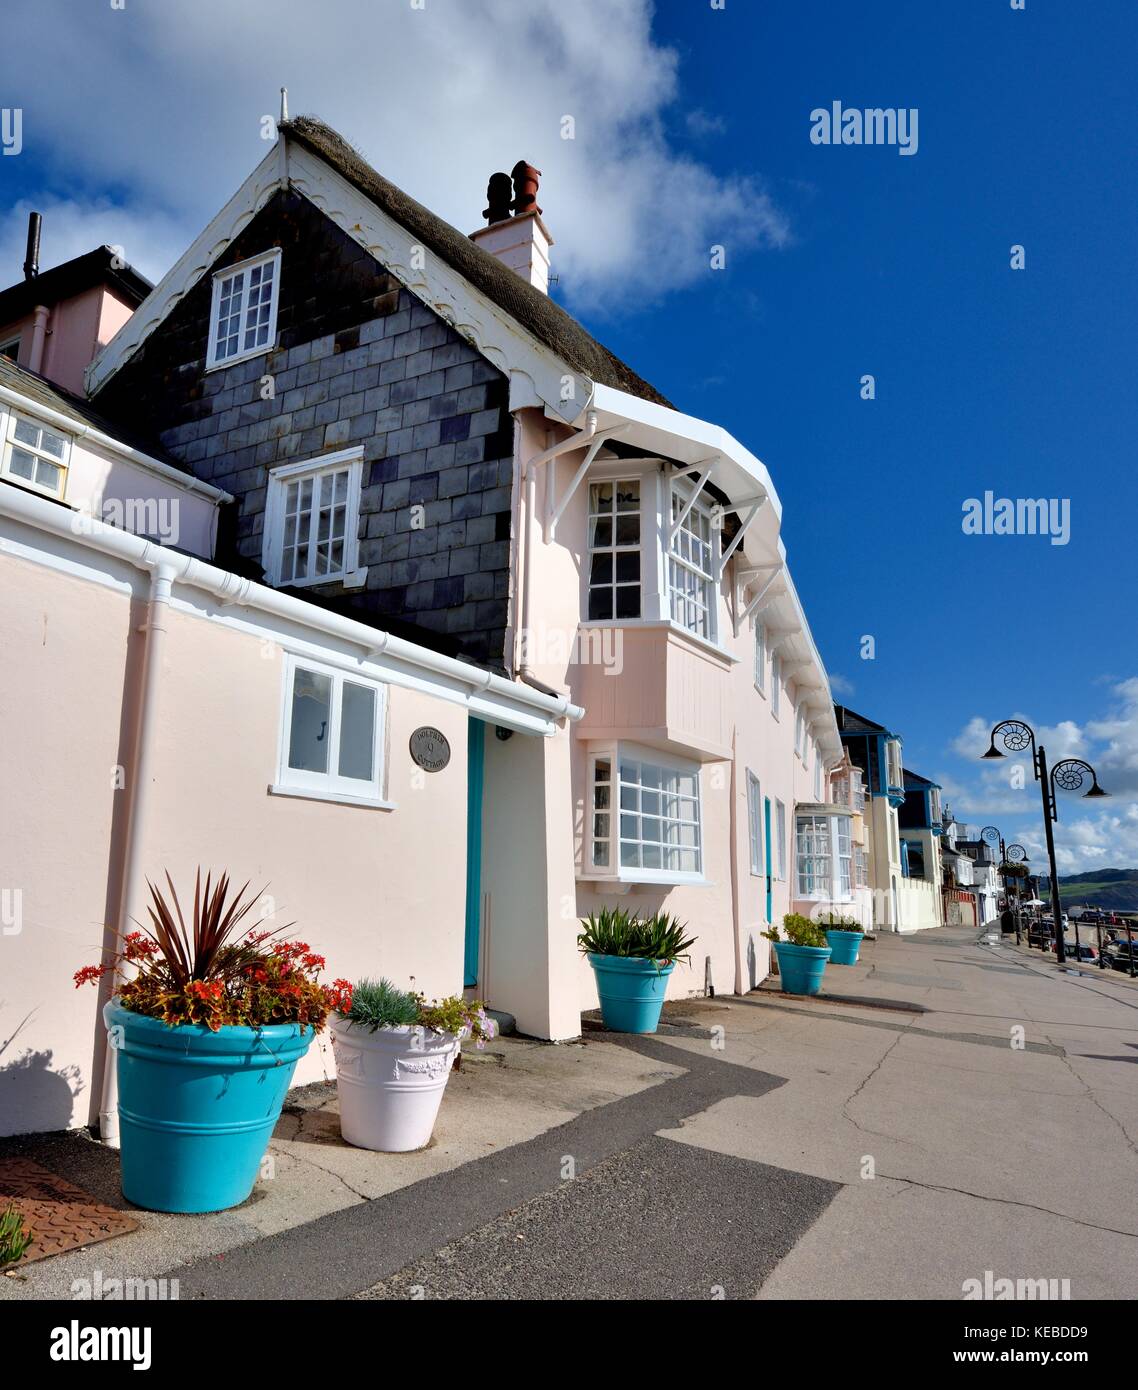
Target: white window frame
[
  {"x": 615, "y": 482},
  {"x": 10, "y": 442},
  {"x": 834, "y": 848},
  {"x": 330, "y": 786},
  {"x": 776, "y": 685},
  {"x": 819, "y": 790},
  {"x": 780, "y": 841},
  {"x": 893, "y": 764},
  {"x": 220, "y": 279},
  {"x": 800, "y": 731},
  {"x": 755, "y": 823},
  {"x": 614, "y": 870},
  {"x": 934, "y": 807},
  {"x": 760, "y": 657},
  {"x": 681, "y": 493},
  {"x": 272, "y": 552}
]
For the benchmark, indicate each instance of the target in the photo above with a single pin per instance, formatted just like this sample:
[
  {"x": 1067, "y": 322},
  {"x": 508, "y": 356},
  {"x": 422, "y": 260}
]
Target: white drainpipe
[{"x": 132, "y": 898}]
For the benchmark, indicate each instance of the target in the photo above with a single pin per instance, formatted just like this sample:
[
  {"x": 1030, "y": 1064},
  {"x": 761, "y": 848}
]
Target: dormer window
[
  {"x": 35, "y": 457},
  {"x": 243, "y": 317}
]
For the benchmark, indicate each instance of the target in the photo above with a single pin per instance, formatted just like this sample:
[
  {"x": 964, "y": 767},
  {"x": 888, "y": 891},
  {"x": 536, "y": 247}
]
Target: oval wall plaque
[{"x": 430, "y": 749}]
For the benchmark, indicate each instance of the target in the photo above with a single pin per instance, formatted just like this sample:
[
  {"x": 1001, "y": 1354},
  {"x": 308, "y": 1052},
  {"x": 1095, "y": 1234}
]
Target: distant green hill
[{"x": 1116, "y": 889}]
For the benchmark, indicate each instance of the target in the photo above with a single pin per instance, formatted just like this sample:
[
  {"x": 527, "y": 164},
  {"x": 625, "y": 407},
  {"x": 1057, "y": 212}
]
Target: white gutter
[
  {"x": 81, "y": 430},
  {"x": 484, "y": 693}
]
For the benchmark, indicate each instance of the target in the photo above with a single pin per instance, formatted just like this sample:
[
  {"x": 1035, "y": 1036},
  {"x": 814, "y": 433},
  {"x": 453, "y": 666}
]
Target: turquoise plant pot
[
  {"x": 631, "y": 991},
  {"x": 197, "y": 1109},
  {"x": 844, "y": 945},
  {"x": 800, "y": 967}
]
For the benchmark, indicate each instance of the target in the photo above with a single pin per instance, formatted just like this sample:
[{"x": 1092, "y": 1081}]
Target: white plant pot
[{"x": 391, "y": 1083}]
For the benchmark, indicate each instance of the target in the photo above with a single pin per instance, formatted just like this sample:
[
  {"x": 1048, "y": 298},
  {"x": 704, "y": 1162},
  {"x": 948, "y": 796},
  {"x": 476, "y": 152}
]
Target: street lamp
[
  {"x": 992, "y": 836},
  {"x": 1068, "y": 775}
]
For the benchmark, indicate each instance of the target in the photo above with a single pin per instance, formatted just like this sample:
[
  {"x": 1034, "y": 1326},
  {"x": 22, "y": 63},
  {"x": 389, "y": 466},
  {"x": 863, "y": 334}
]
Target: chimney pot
[
  {"x": 525, "y": 178},
  {"x": 497, "y": 198}
]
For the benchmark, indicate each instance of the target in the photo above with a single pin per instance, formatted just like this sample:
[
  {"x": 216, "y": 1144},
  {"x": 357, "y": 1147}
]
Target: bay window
[
  {"x": 614, "y": 549},
  {"x": 824, "y": 858},
  {"x": 692, "y": 588},
  {"x": 646, "y": 816}
]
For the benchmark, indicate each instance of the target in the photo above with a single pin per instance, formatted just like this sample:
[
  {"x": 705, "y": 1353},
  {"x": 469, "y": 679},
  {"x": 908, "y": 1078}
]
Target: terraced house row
[{"x": 345, "y": 559}]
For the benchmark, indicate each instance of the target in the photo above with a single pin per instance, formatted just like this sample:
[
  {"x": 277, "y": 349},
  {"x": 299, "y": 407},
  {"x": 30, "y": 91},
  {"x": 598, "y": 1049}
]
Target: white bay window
[
  {"x": 824, "y": 858},
  {"x": 692, "y": 590},
  {"x": 646, "y": 816}
]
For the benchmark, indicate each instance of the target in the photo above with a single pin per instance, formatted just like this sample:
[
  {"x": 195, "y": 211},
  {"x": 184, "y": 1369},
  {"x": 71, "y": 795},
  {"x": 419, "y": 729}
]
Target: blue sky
[{"x": 692, "y": 130}]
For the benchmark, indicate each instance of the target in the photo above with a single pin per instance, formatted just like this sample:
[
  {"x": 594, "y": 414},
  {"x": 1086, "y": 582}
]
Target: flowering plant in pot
[
  {"x": 802, "y": 956},
  {"x": 207, "y": 1026},
  {"x": 632, "y": 958},
  {"x": 844, "y": 936},
  {"x": 394, "y": 1053}
]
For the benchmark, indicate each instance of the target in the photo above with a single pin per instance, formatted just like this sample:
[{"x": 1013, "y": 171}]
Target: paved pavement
[{"x": 976, "y": 1110}]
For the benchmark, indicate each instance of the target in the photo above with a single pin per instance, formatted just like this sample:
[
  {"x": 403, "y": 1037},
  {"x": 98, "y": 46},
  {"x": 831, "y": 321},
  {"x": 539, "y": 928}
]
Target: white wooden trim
[{"x": 536, "y": 372}]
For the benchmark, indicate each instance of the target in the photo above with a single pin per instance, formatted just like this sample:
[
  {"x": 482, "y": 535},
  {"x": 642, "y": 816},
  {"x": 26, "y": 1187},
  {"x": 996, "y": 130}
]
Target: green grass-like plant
[
  {"x": 14, "y": 1236},
  {"x": 799, "y": 931},
  {"x": 613, "y": 931},
  {"x": 380, "y": 1004},
  {"x": 836, "y": 922},
  {"x": 375, "y": 1004}
]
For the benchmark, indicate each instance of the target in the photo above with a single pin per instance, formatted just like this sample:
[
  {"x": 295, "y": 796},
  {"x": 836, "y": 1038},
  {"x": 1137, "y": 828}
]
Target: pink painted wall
[
  {"x": 378, "y": 892},
  {"x": 76, "y": 329}
]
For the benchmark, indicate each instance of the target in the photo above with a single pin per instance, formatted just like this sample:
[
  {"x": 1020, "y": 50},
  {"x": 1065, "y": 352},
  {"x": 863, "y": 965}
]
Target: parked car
[
  {"x": 1085, "y": 952},
  {"x": 1119, "y": 957}
]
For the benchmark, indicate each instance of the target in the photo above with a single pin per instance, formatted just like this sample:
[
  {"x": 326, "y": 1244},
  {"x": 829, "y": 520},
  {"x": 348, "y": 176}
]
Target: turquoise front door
[
  {"x": 767, "y": 851},
  {"x": 475, "y": 778}
]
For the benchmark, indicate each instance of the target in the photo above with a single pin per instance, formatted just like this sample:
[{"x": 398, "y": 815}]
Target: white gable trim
[
  {"x": 537, "y": 375},
  {"x": 233, "y": 218}
]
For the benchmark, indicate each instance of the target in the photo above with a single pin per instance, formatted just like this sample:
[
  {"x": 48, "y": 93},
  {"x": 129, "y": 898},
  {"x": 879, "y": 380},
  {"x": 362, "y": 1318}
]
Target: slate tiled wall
[{"x": 359, "y": 360}]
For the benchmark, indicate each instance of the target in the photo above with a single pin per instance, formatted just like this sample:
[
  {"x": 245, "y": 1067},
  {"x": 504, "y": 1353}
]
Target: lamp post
[
  {"x": 991, "y": 835},
  {"x": 1067, "y": 775},
  {"x": 1016, "y": 854}
]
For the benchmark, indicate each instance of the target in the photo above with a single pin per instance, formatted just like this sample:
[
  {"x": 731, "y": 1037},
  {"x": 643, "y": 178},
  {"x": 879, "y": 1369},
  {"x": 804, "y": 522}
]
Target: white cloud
[
  {"x": 162, "y": 105},
  {"x": 841, "y": 685}
]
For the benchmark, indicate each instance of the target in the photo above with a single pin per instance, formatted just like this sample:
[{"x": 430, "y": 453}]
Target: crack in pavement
[
  {"x": 862, "y": 1084},
  {"x": 1008, "y": 1202}
]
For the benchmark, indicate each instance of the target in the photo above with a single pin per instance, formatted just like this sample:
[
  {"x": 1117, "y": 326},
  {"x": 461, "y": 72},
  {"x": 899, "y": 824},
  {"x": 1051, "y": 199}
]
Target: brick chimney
[{"x": 515, "y": 232}]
